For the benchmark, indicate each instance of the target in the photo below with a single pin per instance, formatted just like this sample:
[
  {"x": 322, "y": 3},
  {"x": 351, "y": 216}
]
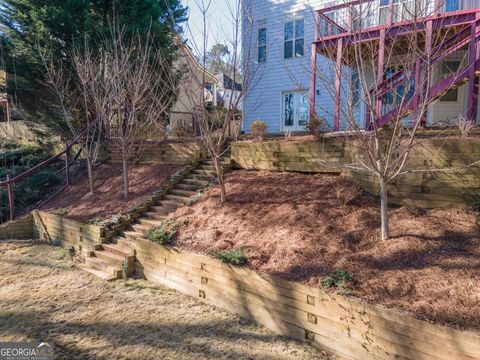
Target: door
[{"x": 296, "y": 110}]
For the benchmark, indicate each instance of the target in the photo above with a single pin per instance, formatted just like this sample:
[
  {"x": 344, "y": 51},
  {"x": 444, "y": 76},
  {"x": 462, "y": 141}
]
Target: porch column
[
  {"x": 380, "y": 73},
  {"x": 338, "y": 82},
  {"x": 473, "y": 83},
  {"x": 313, "y": 69}
]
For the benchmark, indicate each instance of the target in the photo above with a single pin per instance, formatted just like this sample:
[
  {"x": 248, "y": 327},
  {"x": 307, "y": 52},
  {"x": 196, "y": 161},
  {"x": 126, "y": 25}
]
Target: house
[
  {"x": 288, "y": 42},
  {"x": 197, "y": 88},
  {"x": 5, "y": 112},
  {"x": 230, "y": 93}
]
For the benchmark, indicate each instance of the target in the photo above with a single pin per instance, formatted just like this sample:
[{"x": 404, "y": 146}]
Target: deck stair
[{"x": 109, "y": 260}]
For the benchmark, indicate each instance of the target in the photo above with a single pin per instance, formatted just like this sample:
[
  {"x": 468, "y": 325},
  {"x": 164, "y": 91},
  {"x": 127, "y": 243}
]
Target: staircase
[{"x": 109, "y": 260}]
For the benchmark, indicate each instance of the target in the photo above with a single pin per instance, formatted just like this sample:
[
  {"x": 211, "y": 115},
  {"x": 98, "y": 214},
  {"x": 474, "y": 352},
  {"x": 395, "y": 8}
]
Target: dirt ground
[
  {"x": 77, "y": 203},
  {"x": 42, "y": 298},
  {"x": 303, "y": 227}
]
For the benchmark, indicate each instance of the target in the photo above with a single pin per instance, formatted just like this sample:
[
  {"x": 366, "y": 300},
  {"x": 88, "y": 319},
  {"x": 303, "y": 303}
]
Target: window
[
  {"x": 262, "y": 45},
  {"x": 383, "y": 12},
  {"x": 294, "y": 39},
  {"x": 450, "y": 67},
  {"x": 355, "y": 84}
]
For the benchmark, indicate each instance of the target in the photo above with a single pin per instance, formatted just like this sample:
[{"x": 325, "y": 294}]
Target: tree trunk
[
  {"x": 384, "y": 209},
  {"x": 221, "y": 180},
  {"x": 90, "y": 174},
  {"x": 125, "y": 174}
]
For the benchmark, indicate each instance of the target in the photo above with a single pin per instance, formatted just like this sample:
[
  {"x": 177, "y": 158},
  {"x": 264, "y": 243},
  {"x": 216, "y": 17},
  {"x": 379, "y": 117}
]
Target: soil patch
[
  {"x": 303, "y": 227},
  {"x": 42, "y": 298},
  {"x": 77, "y": 203}
]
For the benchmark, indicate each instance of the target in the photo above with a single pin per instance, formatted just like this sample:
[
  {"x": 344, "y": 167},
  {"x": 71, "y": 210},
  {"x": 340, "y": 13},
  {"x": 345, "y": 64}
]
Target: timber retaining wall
[
  {"x": 445, "y": 171},
  {"x": 66, "y": 232},
  {"x": 20, "y": 229},
  {"x": 168, "y": 152},
  {"x": 343, "y": 326}
]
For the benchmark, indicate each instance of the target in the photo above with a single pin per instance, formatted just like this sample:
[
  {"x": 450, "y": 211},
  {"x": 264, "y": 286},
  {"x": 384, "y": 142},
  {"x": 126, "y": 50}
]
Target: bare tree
[
  {"x": 393, "y": 80},
  {"x": 70, "y": 91},
  {"x": 130, "y": 87},
  {"x": 218, "y": 125}
]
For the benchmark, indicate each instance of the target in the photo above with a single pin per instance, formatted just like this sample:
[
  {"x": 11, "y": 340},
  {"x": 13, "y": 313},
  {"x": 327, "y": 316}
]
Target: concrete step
[
  {"x": 118, "y": 249},
  {"x": 98, "y": 264},
  {"x": 98, "y": 273},
  {"x": 182, "y": 192}
]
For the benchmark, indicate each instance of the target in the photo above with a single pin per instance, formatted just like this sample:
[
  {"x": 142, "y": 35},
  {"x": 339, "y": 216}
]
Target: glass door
[{"x": 296, "y": 109}]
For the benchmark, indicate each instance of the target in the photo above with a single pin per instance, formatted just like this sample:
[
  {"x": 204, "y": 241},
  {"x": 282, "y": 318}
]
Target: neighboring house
[
  {"x": 192, "y": 95},
  {"x": 230, "y": 93},
  {"x": 277, "y": 43},
  {"x": 5, "y": 111}
]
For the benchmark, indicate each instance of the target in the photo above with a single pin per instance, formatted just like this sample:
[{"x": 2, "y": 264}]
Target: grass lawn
[{"x": 44, "y": 298}]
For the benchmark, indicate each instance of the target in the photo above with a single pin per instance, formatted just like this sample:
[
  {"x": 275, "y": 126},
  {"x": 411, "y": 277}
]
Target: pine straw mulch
[
  {"x": 303, "y": 227},
  {"x": 108, "y": 199}
]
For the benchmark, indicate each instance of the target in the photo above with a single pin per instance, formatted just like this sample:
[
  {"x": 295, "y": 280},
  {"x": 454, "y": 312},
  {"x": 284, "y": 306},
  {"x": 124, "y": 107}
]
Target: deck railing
[{"x": 365, "y": 14}]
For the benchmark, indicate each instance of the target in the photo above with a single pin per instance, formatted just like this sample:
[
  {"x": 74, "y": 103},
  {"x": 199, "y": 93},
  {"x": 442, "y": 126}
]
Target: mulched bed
[
  {"x": 303, "y": 227},
  {"x": 107, "y": 200}
]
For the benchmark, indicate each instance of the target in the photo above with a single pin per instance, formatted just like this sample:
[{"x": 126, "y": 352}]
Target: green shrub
[
  {"x": 339, "y": 279},
  {"x": 258, "y": 129},
  {"x": 235, "y": 256},
  {"x": 163, "y": 234}
]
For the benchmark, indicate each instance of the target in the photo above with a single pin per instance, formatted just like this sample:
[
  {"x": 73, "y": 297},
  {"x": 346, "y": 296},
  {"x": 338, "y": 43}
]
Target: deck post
[
  {"x": 11, "y": 203},
  {"x": 428, "y": 52},
  {"x": 380, "y": 74},
  {"x": 313, "y": 70},
  {"x": 417, "y": 92},
  {"x": 338, "y": 82},
  {"x": 67, "y": 165},
  {"x": 473, "y": 81}
]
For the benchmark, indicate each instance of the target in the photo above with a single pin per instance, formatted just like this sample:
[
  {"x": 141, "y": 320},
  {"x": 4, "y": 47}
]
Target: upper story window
[
  {"x": 294, "y": 38},
  {"x": 262, "y": 45}
]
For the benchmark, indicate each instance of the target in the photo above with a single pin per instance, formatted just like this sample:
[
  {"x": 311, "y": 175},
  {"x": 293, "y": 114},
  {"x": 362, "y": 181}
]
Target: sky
[{"x": 219, "y": 23}]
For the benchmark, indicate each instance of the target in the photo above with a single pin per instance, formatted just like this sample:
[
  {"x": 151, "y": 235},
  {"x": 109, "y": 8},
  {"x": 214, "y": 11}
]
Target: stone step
[
  {"x": 98, "y": 273},
  {"x": 97, "y": 263},
  {"x": 207, "y": 167},
  {"x": 113, "y": 259},
  {"x": 182, "y": 192},
  {"x": 118, "y": 249}
]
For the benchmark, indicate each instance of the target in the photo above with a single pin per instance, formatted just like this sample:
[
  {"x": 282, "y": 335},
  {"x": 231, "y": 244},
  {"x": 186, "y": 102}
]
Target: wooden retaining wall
[
  {"x": 426, "y": 188},
  {"x": 175, "y": 153},
  {"x": 345, "y": 327},
  {"x": 322, "y": 156},
  {"x": 66, "y": 232},
  {"x": 19, "y": 229}
]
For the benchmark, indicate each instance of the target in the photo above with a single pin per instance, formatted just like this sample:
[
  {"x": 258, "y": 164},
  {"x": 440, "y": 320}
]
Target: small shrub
[
  {"x": 464, "y": 125},
  {"x": 163, "y": 234},
  {"x": 234, "y": 257},
  {"x": 317, "y": 126},
  {"x": 258, "y": 129},
  {"x": 338, "y": 279},
  {"x": 60, "y": 211}
]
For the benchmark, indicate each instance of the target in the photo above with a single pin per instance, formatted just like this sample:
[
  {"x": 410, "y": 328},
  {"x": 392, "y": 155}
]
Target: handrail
[{"x": 11, "y": 181}]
